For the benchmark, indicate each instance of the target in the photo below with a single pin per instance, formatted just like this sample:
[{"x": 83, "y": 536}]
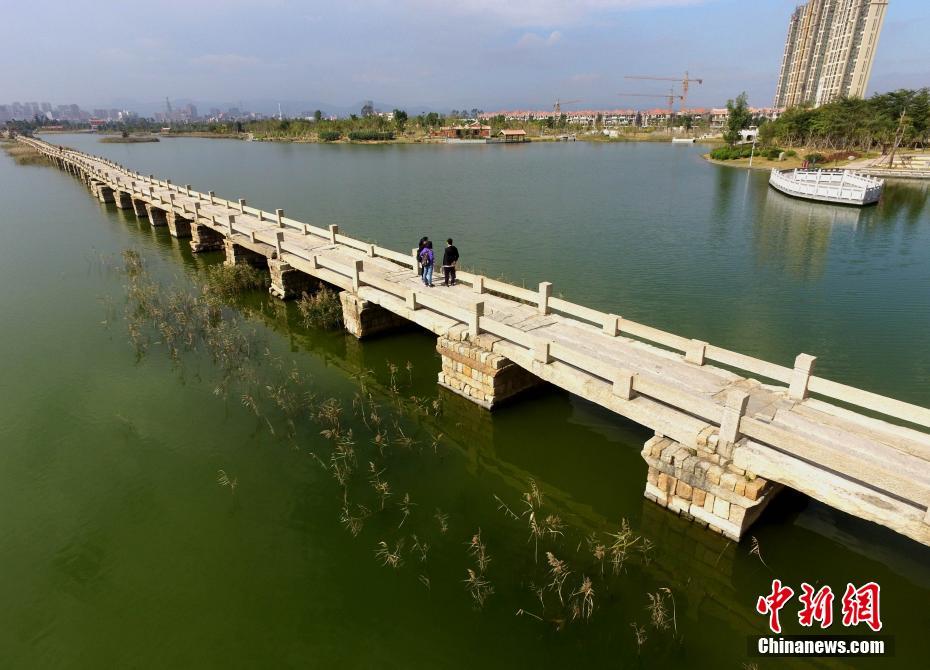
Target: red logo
[{"x": 860, "y": 605}]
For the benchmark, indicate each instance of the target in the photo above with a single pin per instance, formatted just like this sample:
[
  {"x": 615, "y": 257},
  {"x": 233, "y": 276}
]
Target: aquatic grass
[
  {"x": 223, "y": 479},
  {"x": 639, "y": 633},
  {"x": 389, "y": 557},
  {"x": 756, "y": 550},
  {"x": 478, "y": 587},
  {"x": 583, "y": 600},
  {"x": 321, "y": 309},
  {"x": 23, "y": 154},
  {"x": 229, "y": 281}
]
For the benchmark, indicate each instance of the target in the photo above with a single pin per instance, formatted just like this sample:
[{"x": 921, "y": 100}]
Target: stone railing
[{"x": 799, "y": 378}]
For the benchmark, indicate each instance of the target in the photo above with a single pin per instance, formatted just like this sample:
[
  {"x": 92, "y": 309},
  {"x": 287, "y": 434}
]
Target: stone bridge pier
[
  {"x": 122, "y": 199},
  {"x": 703, "y": 485},
  {"x": 157, "y": 216},
  {"x": 139, "y": 208},
  {"x": 477, "y": 373},
  {"x": 204, "y": 238}
]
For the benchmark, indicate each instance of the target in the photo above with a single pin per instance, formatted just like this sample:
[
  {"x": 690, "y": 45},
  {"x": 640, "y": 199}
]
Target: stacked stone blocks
[
  {"x": 482, "y": 376},
  {"x": 702, "y": 485}
]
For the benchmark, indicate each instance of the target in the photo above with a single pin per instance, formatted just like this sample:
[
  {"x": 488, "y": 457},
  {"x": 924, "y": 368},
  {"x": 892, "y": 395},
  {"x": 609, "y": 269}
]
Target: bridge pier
[
  {"x": 178, "y": 226},
  {"x": 105, "y": 193},
  {"x": 204, "y": 238},
  {"x": 236, "y": 254},
  {"x": 705, "y": 486},
  {"x": 482, "y": 376},
  {"x": 138, "y": 207},
  {"x": 288, "y": 282},
  {"x": 157, "y": 217},
  {"x": 122, "y": 199},
  {"x": 363, "y": 318}
]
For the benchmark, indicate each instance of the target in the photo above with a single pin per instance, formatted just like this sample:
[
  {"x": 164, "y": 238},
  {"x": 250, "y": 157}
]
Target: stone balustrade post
[
  {"x": 474, "y": 319},
  {"x": 333, "y": 231},
  {"x": 278, "y": 240},
  {"x": 695, "y": 352},
  {"x": 230, "y": 220},
  {"x": 242, "y": 205},
  {"x": 733, "y": 411},
  {"x": 478, "y": 284},
  {"x": 212, "y": 197},
  {"x": 623, "y": 385},
  {"x": 803, "y": 369},
  {"x": 611, "y": 325},
  {"x": 541, "y": 352},
  {"x": 411, "y": 300},
  {"x": 356, "y": 275},
  {"x": 370, "y": 250},
  {"x": 545, "y": 292},
  {"x": 279, "y": 216}
]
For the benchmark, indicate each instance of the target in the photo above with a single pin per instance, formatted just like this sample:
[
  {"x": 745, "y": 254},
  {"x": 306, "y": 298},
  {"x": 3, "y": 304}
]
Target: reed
[
  {"x": 223, "y": 479},
  {"x": 756, "y": 550},
  {"x": 229, "y": 281},
  {"x": 321, "y": 309},
  {"x": 387, "y": 556}
]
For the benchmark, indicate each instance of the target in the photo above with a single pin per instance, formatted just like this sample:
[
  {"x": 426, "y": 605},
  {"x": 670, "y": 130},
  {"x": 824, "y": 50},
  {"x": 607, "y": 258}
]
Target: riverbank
[{"x": 132, "y": 139}]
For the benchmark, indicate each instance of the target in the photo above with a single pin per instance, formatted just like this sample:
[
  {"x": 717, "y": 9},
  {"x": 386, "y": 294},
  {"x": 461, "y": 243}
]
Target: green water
[{"x": 118, "y": 548}]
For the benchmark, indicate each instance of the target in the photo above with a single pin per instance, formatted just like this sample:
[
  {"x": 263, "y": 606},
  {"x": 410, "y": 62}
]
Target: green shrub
[
  {"x": 791, "y": 153},
  {"x": 330, "y": 135},
  {"x": 815, "y": 158},
  {"x": 370, "y": 135}
]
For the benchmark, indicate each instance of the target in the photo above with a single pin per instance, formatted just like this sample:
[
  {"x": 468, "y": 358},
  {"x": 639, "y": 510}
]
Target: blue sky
[{"x": 490, "y": 54}]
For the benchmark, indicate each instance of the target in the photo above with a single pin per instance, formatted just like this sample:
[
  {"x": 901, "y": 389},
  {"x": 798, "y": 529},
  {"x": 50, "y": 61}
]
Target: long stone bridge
[{"x": 725, "y": 442}]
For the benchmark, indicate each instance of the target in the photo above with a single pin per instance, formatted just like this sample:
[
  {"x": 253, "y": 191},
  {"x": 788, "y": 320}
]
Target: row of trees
[
  {"x": 845, "y": 124},
  {"x": 854, "y": 123}
]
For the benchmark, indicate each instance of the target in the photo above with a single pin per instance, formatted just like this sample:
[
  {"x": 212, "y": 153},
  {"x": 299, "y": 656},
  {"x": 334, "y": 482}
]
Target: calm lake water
[{"x": 119, "y": 548}]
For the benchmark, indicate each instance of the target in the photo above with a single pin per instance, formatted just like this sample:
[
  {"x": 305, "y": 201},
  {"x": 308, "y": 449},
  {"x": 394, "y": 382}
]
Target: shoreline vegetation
[{"x": 130, "y": 139}]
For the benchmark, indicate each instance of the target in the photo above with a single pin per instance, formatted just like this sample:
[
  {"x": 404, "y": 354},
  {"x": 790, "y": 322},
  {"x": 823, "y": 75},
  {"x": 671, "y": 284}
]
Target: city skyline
[{"x": 476, "y": 54}]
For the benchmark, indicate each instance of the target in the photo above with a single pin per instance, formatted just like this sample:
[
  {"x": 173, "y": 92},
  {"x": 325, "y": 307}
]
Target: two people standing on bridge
[{"x": 427, "y": 258}]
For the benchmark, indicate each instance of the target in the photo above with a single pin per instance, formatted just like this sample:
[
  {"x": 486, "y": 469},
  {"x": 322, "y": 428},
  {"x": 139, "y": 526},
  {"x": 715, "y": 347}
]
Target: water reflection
[
  {"x": 793, "y": 235},
  {"x": 907, "y": 198}
]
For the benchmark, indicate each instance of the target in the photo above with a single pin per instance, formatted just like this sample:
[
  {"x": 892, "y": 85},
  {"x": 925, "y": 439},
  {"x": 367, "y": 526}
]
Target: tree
[
  {"x": 400, "y": 119},
  {"x": 317, "y": 116},
  {"x": 432, "y": 119},
  {"x": 368, "y": 109},
  {"x": 739, "y": 118}
]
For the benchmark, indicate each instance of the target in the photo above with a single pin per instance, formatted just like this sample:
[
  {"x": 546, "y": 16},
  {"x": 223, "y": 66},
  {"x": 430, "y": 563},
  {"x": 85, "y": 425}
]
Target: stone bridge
[{"x": 730, "y": 430}]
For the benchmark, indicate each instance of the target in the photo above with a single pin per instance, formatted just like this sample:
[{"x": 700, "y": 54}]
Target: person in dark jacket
[
  {"x": 426, "y": 262},
  {"x": 450, "y": 258}
]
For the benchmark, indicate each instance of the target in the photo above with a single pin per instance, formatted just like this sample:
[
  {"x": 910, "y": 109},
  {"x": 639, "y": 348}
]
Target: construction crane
[
  {"x": 670, "y": 97},
  {"x": 685, "y": 82},
  {"x": 557, "y": 107}
]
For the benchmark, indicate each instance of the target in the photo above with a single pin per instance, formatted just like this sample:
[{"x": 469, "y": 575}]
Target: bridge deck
[{"x": 868, "y": 466}]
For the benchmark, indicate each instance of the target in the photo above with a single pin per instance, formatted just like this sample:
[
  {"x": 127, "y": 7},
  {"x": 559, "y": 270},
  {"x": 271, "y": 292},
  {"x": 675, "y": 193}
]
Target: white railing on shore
[{"x": 217, "y": 211}]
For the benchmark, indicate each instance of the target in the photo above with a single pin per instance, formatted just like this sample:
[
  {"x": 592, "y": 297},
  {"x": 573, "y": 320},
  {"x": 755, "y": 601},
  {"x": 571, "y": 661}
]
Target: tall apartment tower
[{"x": 829, "y": 51}]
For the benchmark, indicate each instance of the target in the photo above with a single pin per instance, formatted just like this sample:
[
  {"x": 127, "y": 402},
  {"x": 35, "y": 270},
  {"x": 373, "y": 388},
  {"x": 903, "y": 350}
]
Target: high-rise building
[{"x": 829, "y": 51}]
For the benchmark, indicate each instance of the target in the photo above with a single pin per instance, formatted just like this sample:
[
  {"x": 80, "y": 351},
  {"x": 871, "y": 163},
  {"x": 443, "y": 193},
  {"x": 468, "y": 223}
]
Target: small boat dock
[{"x": 841, "y": 187}]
